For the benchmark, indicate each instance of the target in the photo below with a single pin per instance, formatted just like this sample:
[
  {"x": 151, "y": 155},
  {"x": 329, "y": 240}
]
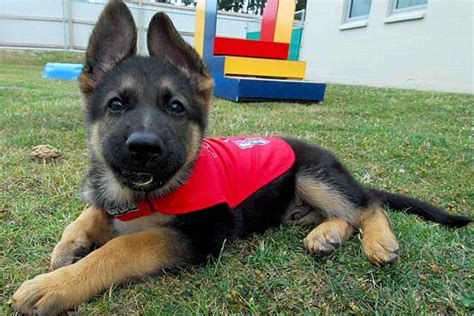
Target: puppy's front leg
[
  {"x": 89, "y": 230},
  {"x": 120, "y": 259}
]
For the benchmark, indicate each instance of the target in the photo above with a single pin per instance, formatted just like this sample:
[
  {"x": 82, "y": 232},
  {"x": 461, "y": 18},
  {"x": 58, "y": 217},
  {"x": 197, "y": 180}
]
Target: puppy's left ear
[{"x": 164, "y": 41}]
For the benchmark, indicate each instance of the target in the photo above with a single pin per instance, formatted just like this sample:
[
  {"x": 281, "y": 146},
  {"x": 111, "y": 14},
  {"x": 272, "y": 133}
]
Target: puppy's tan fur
[
  {"x": 378, "y": 242},
  {"x": 324, "y": 197},
  {"x": 146, "y": 245},
  {"x": 51, "y": 293},
  {"x": 91, "y": 228}
]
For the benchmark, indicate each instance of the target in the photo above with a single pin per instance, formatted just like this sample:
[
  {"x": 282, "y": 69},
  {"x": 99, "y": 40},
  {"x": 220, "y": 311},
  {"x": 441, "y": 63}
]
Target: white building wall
[{"x": 430, "y": 53}]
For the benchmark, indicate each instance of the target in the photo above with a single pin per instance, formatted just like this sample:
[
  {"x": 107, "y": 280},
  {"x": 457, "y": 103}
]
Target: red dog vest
[{"x": 228, "y": 170}]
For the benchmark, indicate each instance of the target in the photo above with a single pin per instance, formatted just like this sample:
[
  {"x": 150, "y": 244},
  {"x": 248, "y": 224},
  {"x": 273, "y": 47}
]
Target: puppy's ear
[
  {"x": 164, "y": 41},
  {"x": 114, "y": 39}
]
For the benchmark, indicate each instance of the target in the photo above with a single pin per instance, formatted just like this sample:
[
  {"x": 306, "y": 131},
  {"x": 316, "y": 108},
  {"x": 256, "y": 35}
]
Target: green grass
[{"x": 418, "y": 143}]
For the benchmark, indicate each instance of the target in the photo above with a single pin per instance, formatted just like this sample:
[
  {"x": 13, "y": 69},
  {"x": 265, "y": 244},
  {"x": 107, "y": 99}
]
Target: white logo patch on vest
[
  {"x": 122, "y": 210},
  {"x": 250, "y": 142}
]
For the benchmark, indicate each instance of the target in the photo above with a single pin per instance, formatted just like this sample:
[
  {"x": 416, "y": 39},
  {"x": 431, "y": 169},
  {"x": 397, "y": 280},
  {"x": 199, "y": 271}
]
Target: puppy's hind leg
[
  {"x": 89, "y": 230},
  {"x": 330, "y": 204},
  {"x": 378, "y": 242},
  {"x": 327, "y": 237}
]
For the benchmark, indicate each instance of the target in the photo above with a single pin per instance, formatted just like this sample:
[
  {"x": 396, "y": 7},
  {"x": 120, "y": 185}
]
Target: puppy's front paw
[
  {"x": 381, "y": 249},
  {"x": 47, "y": 294},
  {"x": 67, "y": 252}
]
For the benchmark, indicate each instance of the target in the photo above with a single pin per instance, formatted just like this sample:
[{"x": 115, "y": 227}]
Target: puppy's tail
[{"x": 429, "y": 212}]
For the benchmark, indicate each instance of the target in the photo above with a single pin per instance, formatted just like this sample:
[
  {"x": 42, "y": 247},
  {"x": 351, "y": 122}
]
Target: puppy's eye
[
  {"x": 176, "y": 107},
  {"x": 116, "y": 105}
]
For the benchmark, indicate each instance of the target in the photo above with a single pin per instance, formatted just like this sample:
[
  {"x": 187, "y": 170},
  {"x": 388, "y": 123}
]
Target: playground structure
[{"x": 246, "y": 69}]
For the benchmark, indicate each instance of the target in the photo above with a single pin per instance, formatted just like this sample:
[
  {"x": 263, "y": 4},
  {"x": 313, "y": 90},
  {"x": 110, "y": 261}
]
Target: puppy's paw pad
[{"x": 381, "y": 251}]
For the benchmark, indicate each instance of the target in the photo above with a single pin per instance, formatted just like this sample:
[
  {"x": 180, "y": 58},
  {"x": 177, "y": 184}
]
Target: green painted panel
[
  {"x": 295, "y": 44},
  {"x": 253, "y": 35}
]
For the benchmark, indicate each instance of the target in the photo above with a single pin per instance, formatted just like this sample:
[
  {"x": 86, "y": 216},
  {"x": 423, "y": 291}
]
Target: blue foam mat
[{"x": 62, "y": 71}]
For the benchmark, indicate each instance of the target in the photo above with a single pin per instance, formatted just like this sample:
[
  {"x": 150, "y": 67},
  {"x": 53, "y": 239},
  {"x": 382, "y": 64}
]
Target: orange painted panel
[{"x": 284, "y": 22}]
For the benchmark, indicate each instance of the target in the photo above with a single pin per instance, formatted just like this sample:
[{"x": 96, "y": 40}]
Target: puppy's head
[{"x": 146, "y": 115}]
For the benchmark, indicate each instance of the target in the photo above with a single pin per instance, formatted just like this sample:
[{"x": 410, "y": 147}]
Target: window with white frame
[
  {"x": 408, "y": 5},
  {"x": 357, "y": 9}
]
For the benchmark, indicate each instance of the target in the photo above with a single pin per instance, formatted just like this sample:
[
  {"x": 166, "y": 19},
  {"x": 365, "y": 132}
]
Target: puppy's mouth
[
  {"x": 144, "y": 180},
  {"x": 140, "y": 181}
]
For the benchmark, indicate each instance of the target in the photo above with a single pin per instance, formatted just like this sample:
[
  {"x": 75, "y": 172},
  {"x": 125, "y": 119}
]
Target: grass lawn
[{"x": 419, "y": 143}]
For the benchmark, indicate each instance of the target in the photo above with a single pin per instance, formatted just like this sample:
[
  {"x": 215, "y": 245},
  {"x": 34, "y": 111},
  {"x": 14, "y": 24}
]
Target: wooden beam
[
  {"x": 250, "y": 48},
  {"x": 284, "y": 21},
  {"x": 258, "y": 67},
  {"x": 200, "y": 27},
  {"x": 269, "y": 21}
]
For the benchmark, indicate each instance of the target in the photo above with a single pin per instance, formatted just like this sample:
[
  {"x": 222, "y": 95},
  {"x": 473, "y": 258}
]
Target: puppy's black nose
[{"x": 144, "y": 143}]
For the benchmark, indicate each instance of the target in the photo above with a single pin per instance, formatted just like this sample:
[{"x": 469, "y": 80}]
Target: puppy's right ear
[{"x": 114, "y": 39}]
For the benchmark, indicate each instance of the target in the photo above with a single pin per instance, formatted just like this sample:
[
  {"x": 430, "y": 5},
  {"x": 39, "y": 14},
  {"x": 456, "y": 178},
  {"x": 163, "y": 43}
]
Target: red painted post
[{"x": 269, "y": 20}]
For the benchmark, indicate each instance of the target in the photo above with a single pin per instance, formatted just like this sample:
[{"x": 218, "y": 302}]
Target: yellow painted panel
[
  {"x": 284, "y": 22},
  {"x": 199, "y": 31},
  {"x": 258, "y": 67}
]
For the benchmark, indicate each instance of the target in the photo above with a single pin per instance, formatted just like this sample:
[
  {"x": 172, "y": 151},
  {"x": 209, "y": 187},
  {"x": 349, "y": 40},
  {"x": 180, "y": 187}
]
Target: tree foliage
[
  {"x": 242, "y": 6},
  {"x": 301, "y": 4},
  {"x": 251, "y": 6}
]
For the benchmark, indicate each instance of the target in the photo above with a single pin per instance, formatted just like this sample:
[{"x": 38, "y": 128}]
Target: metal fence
[{"x": 67, "y": 24}]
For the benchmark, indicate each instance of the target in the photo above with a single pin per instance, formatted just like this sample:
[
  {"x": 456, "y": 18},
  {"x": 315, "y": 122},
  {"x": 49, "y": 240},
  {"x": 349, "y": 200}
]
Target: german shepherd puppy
[{"x": 147, "y": 118}]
